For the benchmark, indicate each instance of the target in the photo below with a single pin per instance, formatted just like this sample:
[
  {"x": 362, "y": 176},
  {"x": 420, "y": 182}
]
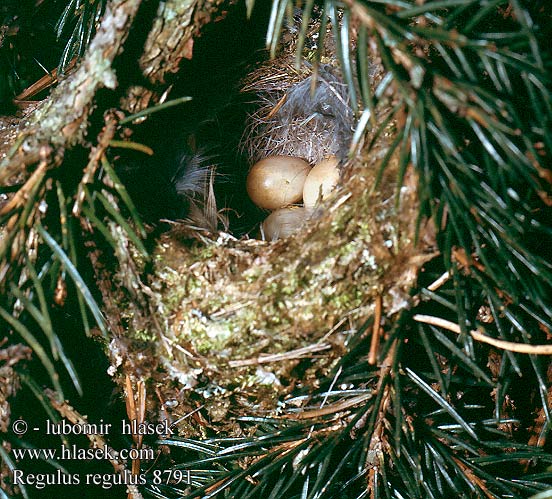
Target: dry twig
[{"x": 476, "y": 335}]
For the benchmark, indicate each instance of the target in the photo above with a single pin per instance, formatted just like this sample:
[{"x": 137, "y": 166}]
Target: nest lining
[{"x": 308, "y": 117}]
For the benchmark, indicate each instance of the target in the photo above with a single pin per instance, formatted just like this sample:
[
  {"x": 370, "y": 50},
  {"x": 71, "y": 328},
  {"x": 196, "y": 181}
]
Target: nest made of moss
[{"x": 249, "y": 320}]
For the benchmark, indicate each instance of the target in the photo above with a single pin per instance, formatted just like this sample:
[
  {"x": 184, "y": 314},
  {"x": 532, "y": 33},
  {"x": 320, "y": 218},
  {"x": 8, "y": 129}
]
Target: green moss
[
  {"x": 143, "y": 335},
  {"x": 203, "y": 253},
  {"x": 174, "y": 294},
  {"x": 252, "y": 275},
  {"x": 290, "y": 287},
  {"x": 206, "y": 336}
]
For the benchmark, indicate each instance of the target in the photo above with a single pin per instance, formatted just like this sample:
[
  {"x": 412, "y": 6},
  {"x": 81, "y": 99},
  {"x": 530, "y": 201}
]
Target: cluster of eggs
[{"x": 279, "y": 183}]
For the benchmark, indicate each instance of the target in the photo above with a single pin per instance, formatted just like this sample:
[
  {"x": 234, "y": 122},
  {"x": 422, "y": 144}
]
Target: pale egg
[
  {"x": 321, "y": 181},
  {"x": 277, "y": 181},
  {"x": 283, "y": 222}
]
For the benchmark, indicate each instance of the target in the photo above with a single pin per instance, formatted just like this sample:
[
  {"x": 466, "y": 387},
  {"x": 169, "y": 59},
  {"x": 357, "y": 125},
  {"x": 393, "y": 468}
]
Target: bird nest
[{"x": 248, "y": 320}]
